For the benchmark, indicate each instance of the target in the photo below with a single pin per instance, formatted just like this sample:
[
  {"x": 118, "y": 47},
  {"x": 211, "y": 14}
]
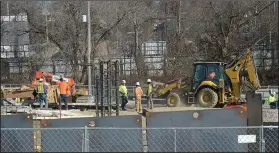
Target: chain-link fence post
[
  {"x": 86, "y": 140},
  {"x": 174, "y": 139},
  {"x": 262, "y": 140}
]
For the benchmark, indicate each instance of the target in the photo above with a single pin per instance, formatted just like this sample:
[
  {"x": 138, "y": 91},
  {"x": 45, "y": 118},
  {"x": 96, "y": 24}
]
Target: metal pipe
[
  {"x": 97, "y": 92},
  {"x": 116, "y": 66},
  {"x": 102, "y": 86},
  {"x": 107, "y": 86},
  {"x": 109, "y": 74},
  {"x": 89, "y": 48}
]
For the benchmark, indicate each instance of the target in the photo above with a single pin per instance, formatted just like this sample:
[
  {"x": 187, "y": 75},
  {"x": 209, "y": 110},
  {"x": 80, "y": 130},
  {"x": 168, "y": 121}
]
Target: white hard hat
[
  {"x": 123, "y": 81},
  {"x": 41, "y": 79},
  {"x": 148, "y": 80},
  {"x": 273, "y": 93},
  {"x": 137, "y": 83}
]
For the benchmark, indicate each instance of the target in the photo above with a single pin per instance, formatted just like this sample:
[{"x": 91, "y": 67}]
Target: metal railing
[{"x": 94, "y": 139}]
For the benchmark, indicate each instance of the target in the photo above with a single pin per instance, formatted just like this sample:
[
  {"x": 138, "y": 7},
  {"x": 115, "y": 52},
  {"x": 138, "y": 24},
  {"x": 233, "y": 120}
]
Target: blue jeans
[
  {"x": 63, "y": 98},
  {"x": 274, "y": 105},
  {"x": 43, "y": 98},
  {"x": 124, "y": 101}
]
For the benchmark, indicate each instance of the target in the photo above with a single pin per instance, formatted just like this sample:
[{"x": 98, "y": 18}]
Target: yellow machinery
[
  {"x": 214, "y": 84},
  {"x": 171, "y": 90}
]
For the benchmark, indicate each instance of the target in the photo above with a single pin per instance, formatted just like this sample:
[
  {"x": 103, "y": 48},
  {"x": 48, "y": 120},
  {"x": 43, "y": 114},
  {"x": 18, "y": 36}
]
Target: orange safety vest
[
  {"x": 64, "y": 88},
  {"x": 138, "y": 92}
]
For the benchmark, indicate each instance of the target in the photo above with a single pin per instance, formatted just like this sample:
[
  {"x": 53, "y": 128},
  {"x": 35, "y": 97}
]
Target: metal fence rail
[{"x": 93, "y": 139}]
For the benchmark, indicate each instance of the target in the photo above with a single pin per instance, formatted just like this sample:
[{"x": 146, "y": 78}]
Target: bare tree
[
  {"x": 68, "y": 33},
  {"x": 228, "y": 26}
]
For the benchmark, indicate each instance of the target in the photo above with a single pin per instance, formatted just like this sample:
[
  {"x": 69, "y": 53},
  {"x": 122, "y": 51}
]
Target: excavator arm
[{"x": 244, "y": 61}]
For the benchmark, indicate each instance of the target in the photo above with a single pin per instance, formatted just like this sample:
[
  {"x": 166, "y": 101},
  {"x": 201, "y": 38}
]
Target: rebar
[
  {"x": 109, "y": 74},
  {"x": 102, "y": 86},
  {"x": 116, "y": 65},
  {"x": 97, "y": 92}
]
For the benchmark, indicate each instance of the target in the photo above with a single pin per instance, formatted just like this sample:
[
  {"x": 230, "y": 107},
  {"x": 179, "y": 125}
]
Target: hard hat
[
  {"x": 41, "y": 80},
  {"x": 148, "y": 80},
  {"x": 273, "y": 93},
  {"x": 137, "y": 83},
  {"x": 123, "y": 81}
]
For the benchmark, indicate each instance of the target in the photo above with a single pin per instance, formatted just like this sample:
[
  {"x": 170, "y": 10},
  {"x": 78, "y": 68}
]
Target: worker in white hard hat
[
  {"x": 123, "y": 94},
  {"x": 41, "y": 89},
  {"x": 138, "y": 94},
  {"x": 272, "y": 101},
  {"x": 149, "y": 94}
]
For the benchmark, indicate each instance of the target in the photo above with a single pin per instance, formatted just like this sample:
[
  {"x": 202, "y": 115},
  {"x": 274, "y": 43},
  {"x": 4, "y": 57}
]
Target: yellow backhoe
[{"x": 214, "y": 84}]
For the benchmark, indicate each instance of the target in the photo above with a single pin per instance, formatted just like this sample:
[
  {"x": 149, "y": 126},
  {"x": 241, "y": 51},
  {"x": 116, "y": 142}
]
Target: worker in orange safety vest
[
  {"x": 64, "y": 91},
  {"x": 138, "y": 95}
]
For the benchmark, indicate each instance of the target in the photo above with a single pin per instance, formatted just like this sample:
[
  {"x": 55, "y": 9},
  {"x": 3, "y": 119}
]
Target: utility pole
[
  {"x": 179, "y": 17},
  {"x": 89, "y": 49},
  {"x": 47, "y": 28},
  {"x": 8, "y": 10}
]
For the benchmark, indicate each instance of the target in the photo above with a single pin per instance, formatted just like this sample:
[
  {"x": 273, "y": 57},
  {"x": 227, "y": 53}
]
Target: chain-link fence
[{"x": 87, "y": 139}]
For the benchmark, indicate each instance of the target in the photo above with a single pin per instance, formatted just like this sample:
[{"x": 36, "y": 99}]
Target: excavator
[{"x": 214, "y": 84}]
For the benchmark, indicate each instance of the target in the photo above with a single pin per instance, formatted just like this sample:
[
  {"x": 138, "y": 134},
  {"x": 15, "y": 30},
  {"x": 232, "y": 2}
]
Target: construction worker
[
  {"x": 41, "y": 89},
  {"x": 138, "y": 94},
  {"x": 64, "y": 90},
  {"x": 211, "y": 75},
  {"x": 123, "y": 94},
  {"x": 272, "y": 101},
  {"x": 149, "y": 94}
]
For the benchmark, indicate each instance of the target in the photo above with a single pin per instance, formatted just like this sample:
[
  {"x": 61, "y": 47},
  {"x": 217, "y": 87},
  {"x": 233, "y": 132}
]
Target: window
[
  {"x": 20, "y": 54},
  {"x": 24, "y": 18},
  {"x": 199, "y": 75},
  {"x": 20, "y": 48},
  {"x": 12, "y": 18},
  {"x": 10, "y": 55},
  {"x": 27, "y": 54},
  {"x": 5, "y": 18},
  {"x": 12, "y": 48},
  {"x": 14, "y": 70},
  {"x": 213, "y": 68},
  {"x": 2, "y": 48},
  {"x": 7, "y": 48},
  {"x": 25, "y": 48},
  {"x": 3, "y": 55},
  {"x": 18, "y": 18}
]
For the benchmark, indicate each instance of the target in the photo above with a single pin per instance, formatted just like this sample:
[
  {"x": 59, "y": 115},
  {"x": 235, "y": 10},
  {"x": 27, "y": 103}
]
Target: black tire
[
  {"x": 210, "y": 102},
  {"x": 176, "y": 98}
]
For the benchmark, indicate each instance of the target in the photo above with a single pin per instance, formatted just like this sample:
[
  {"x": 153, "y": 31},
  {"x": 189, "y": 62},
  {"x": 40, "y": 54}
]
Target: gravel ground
[{"x": 270, "y": 115}]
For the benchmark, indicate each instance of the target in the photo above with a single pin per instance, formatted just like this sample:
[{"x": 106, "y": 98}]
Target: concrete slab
[{"x": 55, "y": 114}]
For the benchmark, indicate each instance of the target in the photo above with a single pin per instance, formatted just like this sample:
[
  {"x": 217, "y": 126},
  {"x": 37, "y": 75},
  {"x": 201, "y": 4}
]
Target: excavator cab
[
  {"x": 209, "y": 81},
  {"x": 208, "y": 71}
]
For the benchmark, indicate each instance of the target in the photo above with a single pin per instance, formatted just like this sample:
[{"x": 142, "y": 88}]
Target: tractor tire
[
  {"x": 207, "y": 98},
  {"x": 173, "y": 100}
]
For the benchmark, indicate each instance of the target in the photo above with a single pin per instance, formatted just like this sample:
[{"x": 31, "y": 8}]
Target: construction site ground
[{"x": 269, "y": 115}]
